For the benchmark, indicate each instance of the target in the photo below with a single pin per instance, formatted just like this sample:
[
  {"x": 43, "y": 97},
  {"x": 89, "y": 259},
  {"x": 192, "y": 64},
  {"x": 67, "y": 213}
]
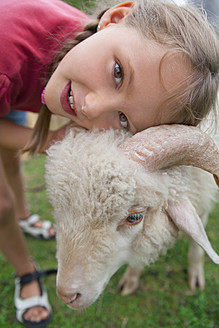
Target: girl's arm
[{"x": 14, "y": 136}]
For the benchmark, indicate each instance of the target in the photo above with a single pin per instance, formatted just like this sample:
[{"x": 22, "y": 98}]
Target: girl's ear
[{"x": 115, "y": 14}]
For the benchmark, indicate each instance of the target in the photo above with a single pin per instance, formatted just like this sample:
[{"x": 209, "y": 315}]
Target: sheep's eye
[{"x": 134, "y": 218}]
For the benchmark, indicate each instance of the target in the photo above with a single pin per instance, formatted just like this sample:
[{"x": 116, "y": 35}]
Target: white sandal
[
  {"x": 22, "y": 305},
  {"x": 27, "y": 226}
]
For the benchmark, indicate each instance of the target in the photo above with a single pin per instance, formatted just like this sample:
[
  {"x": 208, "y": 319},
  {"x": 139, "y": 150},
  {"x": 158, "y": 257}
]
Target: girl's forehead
[{"x": 175, "y": 68}]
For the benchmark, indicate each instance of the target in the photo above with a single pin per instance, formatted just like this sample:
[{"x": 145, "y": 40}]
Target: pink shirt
[{"x": 30, "y": 33}]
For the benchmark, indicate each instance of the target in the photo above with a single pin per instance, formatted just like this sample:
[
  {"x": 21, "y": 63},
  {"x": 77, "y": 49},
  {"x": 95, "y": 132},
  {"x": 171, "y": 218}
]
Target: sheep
[{"x": 121, "y": 199}]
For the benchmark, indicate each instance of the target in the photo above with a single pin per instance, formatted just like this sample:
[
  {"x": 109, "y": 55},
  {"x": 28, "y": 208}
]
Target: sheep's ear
[{"x": 186, "y": 219}]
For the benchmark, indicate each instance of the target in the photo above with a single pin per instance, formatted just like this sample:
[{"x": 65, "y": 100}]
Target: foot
[
  {"x": 31, "y": 300},
  {"x": 36, "y": 313},
  {"x": 129, "y": 282},
  {"x": 39, "y": 224},
  {"x": 196, "y": 276},
  {"x": 47, "y": 231}
]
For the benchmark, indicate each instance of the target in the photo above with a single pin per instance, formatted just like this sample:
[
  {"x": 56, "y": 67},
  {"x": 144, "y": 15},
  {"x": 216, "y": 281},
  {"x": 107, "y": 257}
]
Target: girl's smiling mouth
[{"x": 67, "y": 100}]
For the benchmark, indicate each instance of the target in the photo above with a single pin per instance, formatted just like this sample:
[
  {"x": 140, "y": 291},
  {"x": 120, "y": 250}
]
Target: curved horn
[{"x": 167, "y": 145}]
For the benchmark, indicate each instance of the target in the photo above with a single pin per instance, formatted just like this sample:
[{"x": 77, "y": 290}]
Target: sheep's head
[{"x": 108, "y": 211}]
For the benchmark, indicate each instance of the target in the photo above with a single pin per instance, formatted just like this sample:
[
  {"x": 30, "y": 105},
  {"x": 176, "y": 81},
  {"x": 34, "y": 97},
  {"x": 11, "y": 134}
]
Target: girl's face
[{"x": 111, "y": 79}]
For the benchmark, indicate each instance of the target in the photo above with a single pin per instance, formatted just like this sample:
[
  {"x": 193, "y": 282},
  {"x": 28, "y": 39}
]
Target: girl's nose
[
  {"x": 100, "y": 112},
  {"x": 96, "y": 106}
]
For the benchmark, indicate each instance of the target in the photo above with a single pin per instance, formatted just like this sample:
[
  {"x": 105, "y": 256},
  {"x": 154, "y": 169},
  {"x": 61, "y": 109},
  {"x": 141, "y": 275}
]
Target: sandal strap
[
  {"x": 46, "y": 225},
  {"x": 29, "y": 277},
  {"x": 48, "y": 272},
  {"x": 33, "y": 218},
  {"x": 30, "y": 302}
]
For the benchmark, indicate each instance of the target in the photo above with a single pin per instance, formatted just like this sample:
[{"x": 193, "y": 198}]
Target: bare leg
[
  {"x": 196, "y": 266},
  {"x": 12, "y": 244},
  {"x": 196, "y": 275},
  {"x": 12, "y": 168},
  {"x": 130, "y": 280}
]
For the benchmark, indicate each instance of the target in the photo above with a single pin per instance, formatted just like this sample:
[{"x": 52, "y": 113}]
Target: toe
[
  {"x": 36, "y": 314},
  {"x": 52, "y": 232}
]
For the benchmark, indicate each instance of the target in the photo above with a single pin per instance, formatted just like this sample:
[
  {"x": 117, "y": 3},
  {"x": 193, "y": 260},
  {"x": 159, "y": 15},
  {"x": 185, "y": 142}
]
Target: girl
[
  {"x": 138, "y": 65},
  {"x": 30, "y": 33}
]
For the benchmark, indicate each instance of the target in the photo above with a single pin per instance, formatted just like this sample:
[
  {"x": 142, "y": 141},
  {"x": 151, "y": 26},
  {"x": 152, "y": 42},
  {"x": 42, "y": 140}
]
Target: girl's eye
[
  {"x": 134, "y": 218},
  {"x": 123, "y": 120},
  {"x": 118, "y": 74}
]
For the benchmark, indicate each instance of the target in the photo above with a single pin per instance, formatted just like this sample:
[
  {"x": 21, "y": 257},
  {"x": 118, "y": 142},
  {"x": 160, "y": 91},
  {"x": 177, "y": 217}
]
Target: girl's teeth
[{"x": 70, "y": 99}]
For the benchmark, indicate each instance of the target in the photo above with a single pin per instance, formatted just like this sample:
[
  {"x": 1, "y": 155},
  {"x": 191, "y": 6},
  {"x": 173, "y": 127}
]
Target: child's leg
[
  {"x": 12, "y": 244},
  {"x": 12, "y": 167}
]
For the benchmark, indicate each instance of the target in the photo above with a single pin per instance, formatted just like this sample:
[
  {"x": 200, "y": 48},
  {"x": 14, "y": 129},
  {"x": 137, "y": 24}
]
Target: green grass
[{"x": 163, "y": 299}]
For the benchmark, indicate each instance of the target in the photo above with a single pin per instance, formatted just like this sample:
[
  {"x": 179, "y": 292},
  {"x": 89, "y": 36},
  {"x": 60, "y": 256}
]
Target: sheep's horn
[{"x": 167, "y": 145}]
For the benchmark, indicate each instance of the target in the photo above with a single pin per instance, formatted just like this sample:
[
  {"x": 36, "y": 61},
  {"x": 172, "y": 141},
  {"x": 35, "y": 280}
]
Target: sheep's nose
[{"x": 68, "y": 299}]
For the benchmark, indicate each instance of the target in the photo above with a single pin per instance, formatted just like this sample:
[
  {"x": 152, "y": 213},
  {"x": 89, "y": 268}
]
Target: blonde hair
[{"x": 182, "y": 29}]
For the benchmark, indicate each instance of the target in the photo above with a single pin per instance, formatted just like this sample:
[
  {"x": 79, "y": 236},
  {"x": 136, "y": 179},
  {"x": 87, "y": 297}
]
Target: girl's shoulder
[
  {"x": 38, "y": 9},
  {"x": 31, "y": 31}
]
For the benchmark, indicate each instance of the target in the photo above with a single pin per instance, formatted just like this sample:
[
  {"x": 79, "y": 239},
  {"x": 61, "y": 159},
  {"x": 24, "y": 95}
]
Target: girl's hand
[{"x": 60, "y": 133}]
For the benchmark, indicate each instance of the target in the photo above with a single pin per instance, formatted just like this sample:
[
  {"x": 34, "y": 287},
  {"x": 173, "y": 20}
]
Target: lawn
[{"x": 163, "y": 299}]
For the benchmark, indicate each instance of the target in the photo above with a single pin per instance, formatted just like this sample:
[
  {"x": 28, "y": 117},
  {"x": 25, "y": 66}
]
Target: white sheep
[{"x": 119, "y": 200}]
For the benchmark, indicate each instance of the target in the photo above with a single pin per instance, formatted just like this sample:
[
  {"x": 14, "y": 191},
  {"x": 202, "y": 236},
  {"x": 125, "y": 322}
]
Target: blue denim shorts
[{"x": 17, "y": 116}]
